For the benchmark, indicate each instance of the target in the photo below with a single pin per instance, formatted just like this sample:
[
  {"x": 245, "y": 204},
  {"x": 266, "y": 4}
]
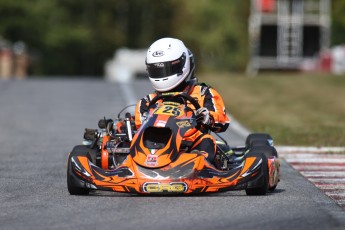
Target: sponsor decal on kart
[
  {"x": 160, "y": 123},
  {"x": 183, "y": 124},
  {"x": 153, "y": 187},
  {"x": 151, "y": 160}
]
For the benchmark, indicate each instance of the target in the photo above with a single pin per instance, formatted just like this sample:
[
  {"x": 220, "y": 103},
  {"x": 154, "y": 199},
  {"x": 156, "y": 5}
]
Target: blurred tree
[
  {"x": 338, "y": 22},
  {"x": 217, "y": 30},
  {"x": 76, "y": 37}
]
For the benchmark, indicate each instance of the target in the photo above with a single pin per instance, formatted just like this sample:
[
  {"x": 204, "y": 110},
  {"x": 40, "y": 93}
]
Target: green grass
[{"x": 295, "y": 109}]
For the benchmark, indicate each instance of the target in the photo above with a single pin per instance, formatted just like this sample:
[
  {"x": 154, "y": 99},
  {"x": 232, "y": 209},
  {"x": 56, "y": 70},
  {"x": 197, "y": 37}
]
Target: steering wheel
[{"x": 177, "y": 95}]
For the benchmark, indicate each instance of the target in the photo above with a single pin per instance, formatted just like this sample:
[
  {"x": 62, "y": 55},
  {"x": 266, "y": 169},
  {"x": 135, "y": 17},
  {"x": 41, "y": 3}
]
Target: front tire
[
  {"x": 73, "y": 183},
  {"x": 263, "y": 188}
]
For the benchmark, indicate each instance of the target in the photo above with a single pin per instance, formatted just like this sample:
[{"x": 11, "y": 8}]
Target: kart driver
[{"x": 170, "y": 66}]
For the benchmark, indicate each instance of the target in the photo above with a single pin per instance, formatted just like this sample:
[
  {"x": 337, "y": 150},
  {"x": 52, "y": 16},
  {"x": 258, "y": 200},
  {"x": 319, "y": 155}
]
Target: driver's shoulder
[
  {"x": 202, "y": 88},
  {"x": 149, "y": 97},
  {"x": 203, "y": 84}
]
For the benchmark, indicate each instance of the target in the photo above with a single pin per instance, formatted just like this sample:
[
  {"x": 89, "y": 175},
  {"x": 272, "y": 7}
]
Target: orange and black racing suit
[{"x": 208, "y": 98}]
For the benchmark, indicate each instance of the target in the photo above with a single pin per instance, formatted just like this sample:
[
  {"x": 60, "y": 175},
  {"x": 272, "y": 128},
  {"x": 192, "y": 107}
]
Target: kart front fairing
[
  {"x": 189, "y": 173},
  {"x": 157, "y": 143},
  {"x": 157, "y": 164}
]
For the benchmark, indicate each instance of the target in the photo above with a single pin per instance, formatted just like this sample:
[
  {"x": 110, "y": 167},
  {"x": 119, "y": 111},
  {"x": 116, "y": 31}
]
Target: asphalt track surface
[{"x": 40, "y": 122}]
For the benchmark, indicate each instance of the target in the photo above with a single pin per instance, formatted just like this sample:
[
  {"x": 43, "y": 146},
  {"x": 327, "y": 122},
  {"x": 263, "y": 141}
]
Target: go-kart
[{"x": 156, "y": 160}]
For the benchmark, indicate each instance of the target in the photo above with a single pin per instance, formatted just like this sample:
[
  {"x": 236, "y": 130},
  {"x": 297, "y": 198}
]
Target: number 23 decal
[{"x": 169, "y": 110}]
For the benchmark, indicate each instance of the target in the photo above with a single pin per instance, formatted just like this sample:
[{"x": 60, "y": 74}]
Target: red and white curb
[{"x": 324, "y": 167}]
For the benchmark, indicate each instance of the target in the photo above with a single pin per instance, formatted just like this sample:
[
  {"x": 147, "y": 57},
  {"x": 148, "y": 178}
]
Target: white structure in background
[
  {"x": 285, "y": 33},
  {"x": 338, "y": 59},
  {"x": 126, "y": 65},
  {"x": 328, "y": 61}
]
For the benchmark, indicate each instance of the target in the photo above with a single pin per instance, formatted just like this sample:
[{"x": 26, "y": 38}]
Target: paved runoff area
[{"x": 324, "y": 167}]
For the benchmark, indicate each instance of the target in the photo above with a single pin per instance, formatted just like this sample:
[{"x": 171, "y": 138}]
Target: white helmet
[{"x": 168, "y": 63}]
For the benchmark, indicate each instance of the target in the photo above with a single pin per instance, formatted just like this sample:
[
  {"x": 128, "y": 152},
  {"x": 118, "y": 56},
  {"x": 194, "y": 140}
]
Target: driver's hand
[
  {"x": 203, "y": 116},
  {"x": 144, "y": 116}
]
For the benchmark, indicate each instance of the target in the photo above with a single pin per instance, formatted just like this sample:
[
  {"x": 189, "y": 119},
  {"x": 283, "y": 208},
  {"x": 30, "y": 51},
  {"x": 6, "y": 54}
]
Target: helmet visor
[{"x": 165, "y": 69}]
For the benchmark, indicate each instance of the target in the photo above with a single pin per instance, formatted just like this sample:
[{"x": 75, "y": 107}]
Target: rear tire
[
  {"x": 261, "y": 142},
  {"x": 259, "y": 139},
  {"x": 72, "y": 181},
  {"x": 261, "y": 190}
]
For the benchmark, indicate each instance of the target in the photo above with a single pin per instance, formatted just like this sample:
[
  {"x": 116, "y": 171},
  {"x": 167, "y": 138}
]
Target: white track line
[
  {"x": 314, "y": 174},
  {"x": 299, "y": 149},
  {"x": 238, "y": 127},
  {"x": 326, "y": 168},
  {"x": 128, "y": 91},
  {"x": 327, "y": 180},
  {"x": 315, "y": 160}
]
